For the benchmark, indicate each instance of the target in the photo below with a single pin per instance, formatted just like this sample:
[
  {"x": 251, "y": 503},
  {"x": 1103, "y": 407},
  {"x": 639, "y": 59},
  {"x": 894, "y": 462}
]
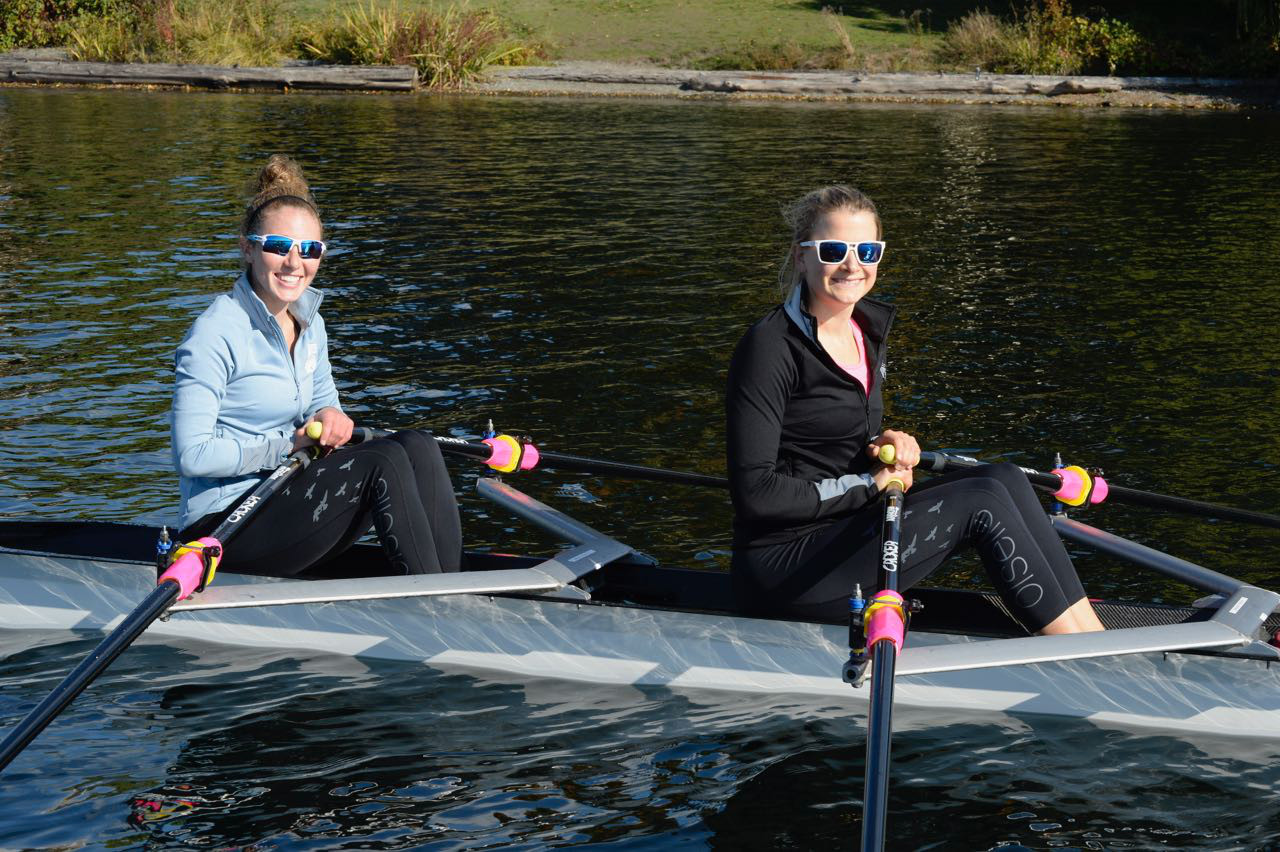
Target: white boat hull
[{"x": 577, "y": 641}]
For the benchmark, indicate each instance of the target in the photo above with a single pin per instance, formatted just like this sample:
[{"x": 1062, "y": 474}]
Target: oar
[
  {"x": 1076, "y": 486},
  {"x": 1072, "y": 485},
  {"x": 508, "y": 454},
  {"x": 190, "y": 572},
  {"x": 885, "y": 619}
]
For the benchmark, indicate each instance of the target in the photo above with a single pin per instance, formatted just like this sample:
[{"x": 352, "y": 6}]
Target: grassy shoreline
[
  {"x": 452, "y": 44},
  {"x": 722, "y": 34}
]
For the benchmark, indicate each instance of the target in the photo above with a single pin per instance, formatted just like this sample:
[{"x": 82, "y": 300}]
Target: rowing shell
[{"x": 636, "y": 623}]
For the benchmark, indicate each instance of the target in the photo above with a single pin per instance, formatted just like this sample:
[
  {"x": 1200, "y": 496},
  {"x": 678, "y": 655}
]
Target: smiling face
[
  {"x": 836, "y": 287},
  {"x": 280, "y": 281}
]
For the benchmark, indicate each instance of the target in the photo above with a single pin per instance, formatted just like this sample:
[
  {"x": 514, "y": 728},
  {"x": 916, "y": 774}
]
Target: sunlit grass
[
  {"x": 722, "y": 33},
  {"x": 230, "y": 32},
  {"x": 449, "y": 47}
]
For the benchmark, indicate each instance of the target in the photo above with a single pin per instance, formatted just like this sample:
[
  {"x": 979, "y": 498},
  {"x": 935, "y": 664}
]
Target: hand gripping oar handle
[
  {"x": 1074, "y": 486},
  {"x": 193, "y": 567}
]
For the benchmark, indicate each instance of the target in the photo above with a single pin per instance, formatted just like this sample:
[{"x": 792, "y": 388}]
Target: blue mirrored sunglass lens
[
  {"x": 310, "y": 249},
  {"x": 832, "y": 251},
  {"x": 869, "y": 252},
  {"x": 277, "y": 245}
]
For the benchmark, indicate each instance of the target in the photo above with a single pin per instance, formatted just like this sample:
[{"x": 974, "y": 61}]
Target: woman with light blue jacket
[{"x": 252, "y": 372}]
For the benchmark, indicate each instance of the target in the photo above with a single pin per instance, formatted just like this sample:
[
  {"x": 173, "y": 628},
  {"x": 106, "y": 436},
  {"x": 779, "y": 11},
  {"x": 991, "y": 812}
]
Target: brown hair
[
  {"x": 803, "y": 213},
  {"x": 280, "y": 183}
]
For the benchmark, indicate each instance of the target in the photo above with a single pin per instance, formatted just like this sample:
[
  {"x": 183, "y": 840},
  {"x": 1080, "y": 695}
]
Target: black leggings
[
  {"x": 398, "y": 485},
  {"x": 991, "y": 508}
]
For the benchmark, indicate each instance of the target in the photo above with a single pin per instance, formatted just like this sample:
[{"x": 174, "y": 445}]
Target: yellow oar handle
[
  {"x": 315, "y": 430},
  {"x": 898, "y": 482},
  {"x": 888, "y": 454}
]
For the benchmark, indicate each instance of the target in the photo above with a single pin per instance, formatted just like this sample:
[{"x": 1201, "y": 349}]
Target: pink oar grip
[
  {"x": 1100, "y": 490},
  {"x": 530, "y": 459},
  {"x": 187, "y": 569},
  {"x": 886, "y": 622}
]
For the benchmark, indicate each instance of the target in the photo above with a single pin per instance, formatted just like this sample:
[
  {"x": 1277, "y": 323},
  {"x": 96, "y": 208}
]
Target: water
[{"x": 1092, "y": 282}]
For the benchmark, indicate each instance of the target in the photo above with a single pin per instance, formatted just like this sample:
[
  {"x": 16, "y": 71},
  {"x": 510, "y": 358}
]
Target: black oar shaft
[
  {"x": 1192, "y": 507},
  {"x": 940, "y": 462},
  {"x": 578, "y": 464},
  {"x": 151, "y": 608},
  {"x": 252, "y": 502},
  {"x": 875, "y": 806}
]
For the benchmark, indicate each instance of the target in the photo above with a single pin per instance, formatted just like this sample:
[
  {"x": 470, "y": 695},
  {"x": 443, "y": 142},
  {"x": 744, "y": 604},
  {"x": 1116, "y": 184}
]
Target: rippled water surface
[{"x": 1098, "y": 283}]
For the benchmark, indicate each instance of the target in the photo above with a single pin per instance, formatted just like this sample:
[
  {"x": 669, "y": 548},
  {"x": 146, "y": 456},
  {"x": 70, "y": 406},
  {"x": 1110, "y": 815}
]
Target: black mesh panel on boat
[
  {"x": 1118, "y": 615},
  {"x": 993, "y": 617}
]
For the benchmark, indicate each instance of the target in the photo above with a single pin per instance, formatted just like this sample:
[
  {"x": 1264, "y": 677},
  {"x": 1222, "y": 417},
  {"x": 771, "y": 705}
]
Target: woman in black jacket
[{"x": 804, "y": 410}]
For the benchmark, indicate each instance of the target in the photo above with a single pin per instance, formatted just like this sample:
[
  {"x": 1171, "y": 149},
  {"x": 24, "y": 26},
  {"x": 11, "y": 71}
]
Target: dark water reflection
[
  {"x": 1094, "y": 283},
  {"x": 255, "y": 750},
  {"x": 1097, "y": 283}
]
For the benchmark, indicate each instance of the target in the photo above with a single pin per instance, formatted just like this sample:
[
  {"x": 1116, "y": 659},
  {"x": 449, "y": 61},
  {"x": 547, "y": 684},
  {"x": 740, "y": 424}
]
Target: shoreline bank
[
  {"x": 611, "y": 79},
  {"x": 584, "y": 78}
]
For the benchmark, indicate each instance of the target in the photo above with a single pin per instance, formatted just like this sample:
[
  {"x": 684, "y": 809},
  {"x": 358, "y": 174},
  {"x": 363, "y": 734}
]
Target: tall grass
[
  {"x": 978, "y": 40},
  {"x": 449, "y": 47},
  {"x": 234, "y": 32},
  {"x": 850, "y": 52}
]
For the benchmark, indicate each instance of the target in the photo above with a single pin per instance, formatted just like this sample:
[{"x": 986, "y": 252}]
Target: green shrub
[
  {"x": 42, "y": 23},
  {"x": 1047, "y": 38},
  {"x": 448, "y": 47},
  {"x": 1052, "y": 40}
]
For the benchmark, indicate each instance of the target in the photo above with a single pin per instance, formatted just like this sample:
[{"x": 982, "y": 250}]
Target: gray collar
[
  {"x": 795, "y": 308},
  {"x": 304, "y": 310}
]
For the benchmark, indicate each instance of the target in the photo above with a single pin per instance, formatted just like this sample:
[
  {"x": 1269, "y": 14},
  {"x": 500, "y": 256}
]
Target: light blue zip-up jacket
[{"x": 239, "y": 396}]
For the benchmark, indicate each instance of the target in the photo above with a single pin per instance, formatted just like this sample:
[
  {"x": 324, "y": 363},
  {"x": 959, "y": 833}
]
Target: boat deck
[{"x": 635, "y": 582}]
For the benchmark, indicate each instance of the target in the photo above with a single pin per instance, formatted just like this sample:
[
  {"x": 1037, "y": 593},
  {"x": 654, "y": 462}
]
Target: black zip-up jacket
[{"x": 798, "y": 425}]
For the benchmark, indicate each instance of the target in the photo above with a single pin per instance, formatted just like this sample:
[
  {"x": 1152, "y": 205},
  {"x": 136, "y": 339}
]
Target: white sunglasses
[{"x": 835, "y": 251}]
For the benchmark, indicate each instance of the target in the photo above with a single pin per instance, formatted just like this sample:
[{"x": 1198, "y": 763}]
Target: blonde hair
[
  {"x": 802, "y": 214},
  {"x": 280, "y": 183}
]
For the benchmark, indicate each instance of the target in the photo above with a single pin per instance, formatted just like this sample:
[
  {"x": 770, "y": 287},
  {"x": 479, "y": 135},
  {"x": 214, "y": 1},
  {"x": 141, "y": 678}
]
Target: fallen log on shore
[{"x": 402, "y": 78}]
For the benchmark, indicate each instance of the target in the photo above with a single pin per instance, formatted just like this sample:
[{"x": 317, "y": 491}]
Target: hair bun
[{"x": 281, "y": 178}]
